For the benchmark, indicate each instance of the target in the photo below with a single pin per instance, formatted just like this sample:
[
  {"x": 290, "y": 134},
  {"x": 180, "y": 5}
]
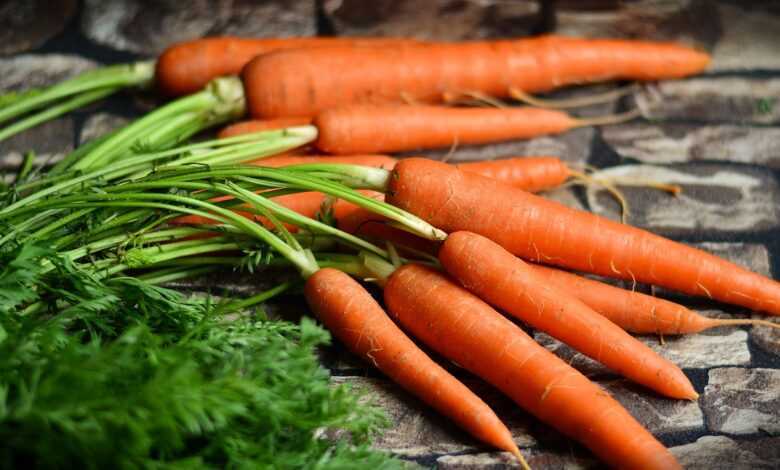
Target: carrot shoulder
[
  {"x": 353, "y": 316},
  {"x": 498, "y": 277},
  {"x": 188, "y": 66},
  {"x": 545, "y": 231},
  {"x": 464, "y": 329}
]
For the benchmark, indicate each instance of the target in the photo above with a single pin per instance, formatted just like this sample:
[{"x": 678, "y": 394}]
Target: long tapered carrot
[
  {"x": 463, "y": 328},
  {"x": 498, "y": 277},
  {"x": 188, "y": 66},
  {"x": 634, "y": 311},
  {"x": 545, "y": 231},
  {"x": 293, "y": 82},
  {"x": 354, "y": 317},
  {"x": 398, "y": 128}
]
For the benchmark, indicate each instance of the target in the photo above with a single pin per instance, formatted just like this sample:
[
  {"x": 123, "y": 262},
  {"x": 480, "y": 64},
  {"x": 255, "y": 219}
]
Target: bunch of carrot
[{"x": 500, "y": 234}]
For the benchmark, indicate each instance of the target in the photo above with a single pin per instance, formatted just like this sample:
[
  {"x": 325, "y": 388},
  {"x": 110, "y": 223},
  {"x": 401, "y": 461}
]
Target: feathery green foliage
[{"x": 117, "y": 373}]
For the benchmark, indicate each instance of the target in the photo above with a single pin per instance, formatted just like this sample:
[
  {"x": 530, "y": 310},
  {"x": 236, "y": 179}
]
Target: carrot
[
  {"x": 377, "y": 161},
  {"x": 634, "y": 311},
  {"x": 545, "y": 231},
  {"x": 188, "y": 66},
  {"x": 463, "y": 328},
  {"x": 354, "y": 317},
  {"x": 500, "y": 278},
  {"x": 532, "y": 174},
  {"x": 292, "y": 82},
  {"x": 397, "y": 127},
  {"x": 247, "y": 127}
]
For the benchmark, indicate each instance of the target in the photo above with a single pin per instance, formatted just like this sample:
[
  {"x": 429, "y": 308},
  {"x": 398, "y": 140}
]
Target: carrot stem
[
  {"x": 113, "y": 78},
  {"x": 596, "y": 98}
]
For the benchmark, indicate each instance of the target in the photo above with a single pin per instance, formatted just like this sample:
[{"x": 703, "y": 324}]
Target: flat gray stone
[
  {"x": 536, "y": 458},
  {"x": 721, "y": 452},
  {"x": 740, "y": 100},
  {"x": 149, "y": 26},
  {"x": 674, "y": 143},
  {"x": 701, "y": 351},
  {"x": 30, "y": 71},
  {"x": 435, "y": 19},
  {"x": 743, "y": 401},
  {"x": 28, "y": 24},
  {"x": 99, "y": 124},
  {"x": 715, "y": 198},
  {"x": 417, "y": 430},
  {"x": 749, "y": 36},
  {"x": 659, "y": 415},
  {"x": 50, "y": 141},
  {"x": 768, "y": 339},
  {"x": 686, "y": 21}
]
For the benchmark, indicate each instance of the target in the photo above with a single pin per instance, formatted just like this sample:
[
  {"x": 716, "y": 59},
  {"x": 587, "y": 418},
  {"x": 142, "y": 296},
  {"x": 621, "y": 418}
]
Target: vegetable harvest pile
[{"x": 100, "y": 364}]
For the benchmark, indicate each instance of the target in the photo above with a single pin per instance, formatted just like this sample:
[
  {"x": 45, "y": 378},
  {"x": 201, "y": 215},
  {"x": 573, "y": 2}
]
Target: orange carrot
[
  {"x": 399, "y": 128},
  {"x": 545, "y": 231},
  {"x": 188, "y": 66},
  {"x": 634, "y": 311},
  {"x": 500, "y": 278},
  {"x": 292, "y": 82},
  {"x": 464, "y": 329},
  {"x": 247, "y": 127},
  {"x": 354, "y": 317},
  {"x": 377, "y": 161}
]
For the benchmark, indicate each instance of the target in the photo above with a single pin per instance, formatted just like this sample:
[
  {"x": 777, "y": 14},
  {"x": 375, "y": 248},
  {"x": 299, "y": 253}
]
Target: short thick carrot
[
  {"x": 505, "y": 281},
  {"x": 463, "y": 328},
  {"x": 634, "y": 311},
  {"x": 356, "y": 319},
  {"x": 545, "y": 231},
  {"x": 188, "y": 66},
  {"x": 305, "y": 82},
  {"x": 398, "y": 128}
]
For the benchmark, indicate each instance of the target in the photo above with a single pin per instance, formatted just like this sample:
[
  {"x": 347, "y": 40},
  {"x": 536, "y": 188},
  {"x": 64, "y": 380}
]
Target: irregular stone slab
[
  {"x": 99, "y": 124},
  {"x": 149, "y": 26},
  {"x": 714, "y": 99},
  {"x": 726, "y": 348},
  {"x": 673, "y": 143},
  {"x": 743, "y": 401},
  {"x": 659, "y": 415},
  {"x": 27, "y": 25},
  {"x": 687, "y": 21},
  {"x": 50, "y": 141},
  {"x": 721, "y": 452},
  {"x": 31, "y": 71},
  {"x": 436, "y": 19},
  {"x": 768, "y": 339},
  {"x": 536, "y": 458},
  {"x": 715, "y": 198},
  {"x": 749, "y": 37},
  {"x": 416, "y": 430}
]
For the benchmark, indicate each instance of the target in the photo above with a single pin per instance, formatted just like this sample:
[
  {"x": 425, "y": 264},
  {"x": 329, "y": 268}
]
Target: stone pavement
[{"x": 716, "y": 135}]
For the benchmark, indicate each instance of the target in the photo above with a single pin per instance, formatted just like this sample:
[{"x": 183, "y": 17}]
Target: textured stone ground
[{"x": 717, "y": 135}]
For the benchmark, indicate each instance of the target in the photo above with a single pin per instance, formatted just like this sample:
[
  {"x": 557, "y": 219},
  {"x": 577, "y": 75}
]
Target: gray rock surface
[
  {"x": 726, "y": 99},
  {"x": 28, "y": 24},
  {"x": 715, "y": 198},
  {"x": 742, "y": 401},
  {"x": 31, "y": 71},
  {"x": 726, "y": 348},
  {"x": 676, "y": 143},
  {"x": 710, "y": 452},
  {"x": 435, "y": 19},
  {"x": 100, "y": 124},
  {"x": 149, "y": 26}
]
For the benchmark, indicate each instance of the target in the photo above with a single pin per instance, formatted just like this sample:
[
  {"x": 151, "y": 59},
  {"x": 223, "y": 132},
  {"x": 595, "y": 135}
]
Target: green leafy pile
[{"x": 117, "y": 373}]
